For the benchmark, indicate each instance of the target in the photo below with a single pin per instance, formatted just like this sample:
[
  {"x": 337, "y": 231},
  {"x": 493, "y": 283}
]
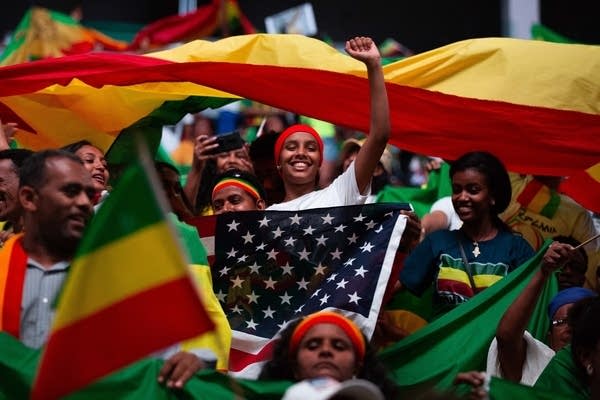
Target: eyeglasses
[{"x": 558, "y": 322}]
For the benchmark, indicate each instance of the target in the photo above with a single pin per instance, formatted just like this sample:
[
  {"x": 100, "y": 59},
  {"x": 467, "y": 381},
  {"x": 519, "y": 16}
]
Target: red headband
[
  {"x": 329, "y": 317},
  {"x": 294, "y": 129}
]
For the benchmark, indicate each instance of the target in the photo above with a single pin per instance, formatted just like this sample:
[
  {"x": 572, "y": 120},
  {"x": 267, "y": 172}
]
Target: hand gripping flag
[
  {"x": 274, "y": 266},
  {"x": 128, "y": 293}
]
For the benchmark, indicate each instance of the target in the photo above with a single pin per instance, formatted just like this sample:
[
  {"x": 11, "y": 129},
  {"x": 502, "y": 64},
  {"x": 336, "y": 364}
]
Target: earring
[{"x": 589, "y": 369}]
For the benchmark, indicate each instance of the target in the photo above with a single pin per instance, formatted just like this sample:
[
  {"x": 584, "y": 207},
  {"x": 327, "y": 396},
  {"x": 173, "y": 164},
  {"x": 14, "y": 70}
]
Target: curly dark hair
[
  {"x": 496, "y": 177},
  {"x": 283, "y": 364}
]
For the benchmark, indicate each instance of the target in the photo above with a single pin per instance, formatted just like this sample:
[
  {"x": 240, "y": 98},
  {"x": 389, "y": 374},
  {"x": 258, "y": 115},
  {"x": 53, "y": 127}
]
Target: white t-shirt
[
  {"x": 537, "y": 357},
  {"x": 343, "y": 191},
  {"x": 445, "y": 205}
]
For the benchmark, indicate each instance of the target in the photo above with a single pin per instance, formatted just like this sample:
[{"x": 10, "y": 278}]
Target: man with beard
[{"x": 56, "y": 193}]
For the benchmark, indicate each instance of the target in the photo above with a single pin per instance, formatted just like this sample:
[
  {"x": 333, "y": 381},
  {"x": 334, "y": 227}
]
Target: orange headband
[
  {"x": 329, "y": 317},
  {"x": 242, "y": 184},
  {"x": 294, "y": 129}
]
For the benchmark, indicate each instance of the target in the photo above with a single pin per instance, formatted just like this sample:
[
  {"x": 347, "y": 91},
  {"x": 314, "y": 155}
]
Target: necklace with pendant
[{"x": 476, "y": 251}]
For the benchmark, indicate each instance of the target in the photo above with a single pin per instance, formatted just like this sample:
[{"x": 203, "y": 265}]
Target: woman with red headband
[
  {"x": 299, "y": 149},
  {"x": 326, "y": 344}
]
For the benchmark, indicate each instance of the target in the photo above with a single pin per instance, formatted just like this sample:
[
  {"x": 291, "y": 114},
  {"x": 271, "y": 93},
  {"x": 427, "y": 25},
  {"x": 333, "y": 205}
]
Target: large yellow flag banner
[{"x": 534, "y": 104}]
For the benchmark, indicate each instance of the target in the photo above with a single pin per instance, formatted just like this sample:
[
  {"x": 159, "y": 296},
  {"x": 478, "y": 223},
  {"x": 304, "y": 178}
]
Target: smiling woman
[
  {"x": 464, "y": 262},
  {"x": 94, "y": 161},
  {"x": 299, "y": 148}
]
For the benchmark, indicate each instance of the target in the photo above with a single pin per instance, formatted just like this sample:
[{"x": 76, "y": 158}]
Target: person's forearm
[
  {"x": 515, "y": 319},
  {"x": 380, "y": 109},
  {"x": 192, "y": 183},
  {"x": 512, "y": 347}
]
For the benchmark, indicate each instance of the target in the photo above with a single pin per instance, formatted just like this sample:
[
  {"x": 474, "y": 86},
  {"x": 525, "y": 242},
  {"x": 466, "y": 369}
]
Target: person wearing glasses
[{"x": 516, "y": 355}]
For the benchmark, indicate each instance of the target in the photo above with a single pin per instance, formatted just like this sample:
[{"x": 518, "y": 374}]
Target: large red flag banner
[{"x": 534, "y": 104}]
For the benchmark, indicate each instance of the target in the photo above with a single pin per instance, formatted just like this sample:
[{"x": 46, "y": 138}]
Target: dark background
[{"x": 420, "y": 25}]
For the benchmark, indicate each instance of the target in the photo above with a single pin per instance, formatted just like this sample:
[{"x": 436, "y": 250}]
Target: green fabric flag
[
  {"x": 501, "y": 389},
  {"x": 438, "y": 186},
  {"x": 138, "y": 381},
  {"x": 459, "y": 340},
  {"x": 562, "y": 376},
  {"x": 541, "y": 32},
  {"x": 196, "y": 252}
]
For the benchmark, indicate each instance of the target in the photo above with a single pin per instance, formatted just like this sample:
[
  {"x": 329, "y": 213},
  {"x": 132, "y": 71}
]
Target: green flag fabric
[
  {"x": 459, "y": 340},
  {"x": 438, "y": 186},
  {"x": 137, "y": 381},
  {"x": 562, "y": 376},
  {"x": 455, "y": 342},
  {"x": 541, "y": 32},
  {"x": 501, "y": 389}
]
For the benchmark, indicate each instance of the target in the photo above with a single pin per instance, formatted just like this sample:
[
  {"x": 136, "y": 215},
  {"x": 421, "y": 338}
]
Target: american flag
[{"x": 270, "y": 267}]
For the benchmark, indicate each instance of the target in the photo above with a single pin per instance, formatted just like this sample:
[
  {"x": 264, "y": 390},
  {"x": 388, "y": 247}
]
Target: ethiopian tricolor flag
[
  {"x": 44, "y": 33},
  {"x": 128, "y": 293}
]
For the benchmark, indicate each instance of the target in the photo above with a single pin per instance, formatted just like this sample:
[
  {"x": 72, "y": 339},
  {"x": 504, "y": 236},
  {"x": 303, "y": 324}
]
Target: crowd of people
[{"x": 486, "y": 229}]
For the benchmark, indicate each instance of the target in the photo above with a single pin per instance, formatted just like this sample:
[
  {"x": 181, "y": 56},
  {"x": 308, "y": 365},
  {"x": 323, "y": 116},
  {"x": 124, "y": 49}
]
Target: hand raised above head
[
  {"x": 204, "y": 146},
  {"x": 363, "y": 49},
  {"x": 556, "y": 256}
]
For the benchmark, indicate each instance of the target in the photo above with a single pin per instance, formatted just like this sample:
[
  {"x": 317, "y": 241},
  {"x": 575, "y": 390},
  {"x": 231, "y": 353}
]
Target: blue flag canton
[{"x": 274, "y": 266}]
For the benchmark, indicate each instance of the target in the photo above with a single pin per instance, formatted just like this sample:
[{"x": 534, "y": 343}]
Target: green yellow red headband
[
  {"x": 329, "y": 317},
  {"x": 237, "y": 182}
]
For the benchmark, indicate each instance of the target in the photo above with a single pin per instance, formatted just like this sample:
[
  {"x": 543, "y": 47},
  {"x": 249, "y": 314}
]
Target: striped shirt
[
  {"x": 438, "y": 260},
  {"x": 40, "y": 289}
]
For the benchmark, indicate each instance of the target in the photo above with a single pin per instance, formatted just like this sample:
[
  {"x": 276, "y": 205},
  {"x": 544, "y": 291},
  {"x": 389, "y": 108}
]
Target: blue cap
[{"x": 568, "y": 296}]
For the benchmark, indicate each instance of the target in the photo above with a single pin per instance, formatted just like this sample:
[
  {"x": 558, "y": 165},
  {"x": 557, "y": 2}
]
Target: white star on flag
[
  {"x": 360, "y": 271},
  {"x": 264, "y": 222},
  {"x": 237, "y": 282},
  {"x": 342, "y": 284},
  {"x": 309, "y": 231},
  {"x": 248, "y": 237},
  {"x": 252, "y": 297},
  {"x": 340, "y": 228},
  {"x": 336, "y": 255},
  {"x": 349, "y": 262},
  {"x": 320, "y": 269},
  {"x": 353, "y": 238},
  {"x": 285, "y": 299},
  {"x": 272, "y": 254},
  {"x": 304, "y": 254},
  {"x": 270, "y": 283},
  {"x": 321, "y": 240},
  {"x": 303, "y": 284},
  {"x": 359, "y": 218},
  {"x": 354, "y": 298},
  {"x": 327, "y": 219},
  {"x": 233, "y": 226},
  {"x": 268, "y": 312},
  {"x": 224, "y": 271},
  {"x": 254, "y": 268},
  {"x": 367, "y": 247},
  {"x": 277, "y": 233},
  {"x": 231, "y": 253},
  {"x": 295, "y": 219},
  {"x": 287, "y": 269},
  {"x": 251, "y": 324},
  {"x": 221, "y": 296}
]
